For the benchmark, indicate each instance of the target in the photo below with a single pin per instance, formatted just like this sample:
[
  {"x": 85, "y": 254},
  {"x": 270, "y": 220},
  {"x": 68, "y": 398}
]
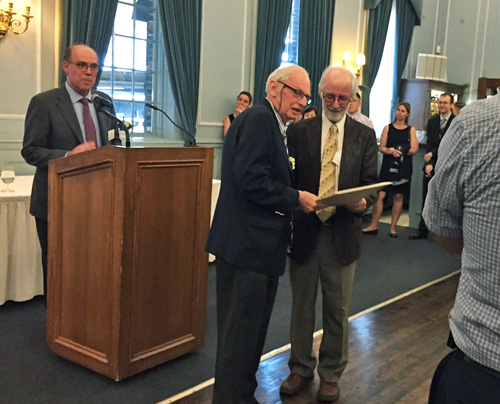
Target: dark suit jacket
[
  {"x": 251, "y": 224},
  {"x": 434, "y": 136},
  {"x": 51, "y": 130},
  {"x": 358, "y": 167}
]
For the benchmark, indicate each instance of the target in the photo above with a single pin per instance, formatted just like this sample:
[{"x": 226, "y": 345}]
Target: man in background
[
  {"x": 354, "y": 111},
  {"x": 251, "y": 229},
  {"x": 331, "y": 152},
  {"x": 61, "y": 122},
  {"x": 436, "y": 129},
  {"x": 462, "y": 209}
]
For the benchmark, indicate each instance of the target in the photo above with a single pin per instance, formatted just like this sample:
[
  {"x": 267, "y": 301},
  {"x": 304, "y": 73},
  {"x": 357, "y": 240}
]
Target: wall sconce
[
  {"x": 7, "y": 23},
  {"x": 346, "y": 58},
  {"x": 360, "y": 62}
]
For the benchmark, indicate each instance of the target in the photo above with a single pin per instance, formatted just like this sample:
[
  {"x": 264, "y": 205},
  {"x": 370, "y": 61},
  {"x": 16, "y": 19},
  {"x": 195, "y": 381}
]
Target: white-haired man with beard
[{"x": 331, "y": 152}]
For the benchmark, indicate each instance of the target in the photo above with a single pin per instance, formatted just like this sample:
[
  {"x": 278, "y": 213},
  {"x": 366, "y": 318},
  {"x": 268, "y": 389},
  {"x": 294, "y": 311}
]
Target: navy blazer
[
  {"x": 251, "y": 224},
  {"x": 358, "y": 167},
  {"x": 51, "y": 130}
]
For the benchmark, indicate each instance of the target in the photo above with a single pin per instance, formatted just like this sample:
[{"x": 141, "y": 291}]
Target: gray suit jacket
[
  {"x": 358, "y": 167},
  {"x": 51, "y": 130}
]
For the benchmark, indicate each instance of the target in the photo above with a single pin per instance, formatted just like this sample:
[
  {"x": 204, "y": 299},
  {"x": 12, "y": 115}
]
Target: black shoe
[
  {"x": 371, "y": 232},
  {"x": 417, "y": 236},
  {"x": 393, "y": 235}
]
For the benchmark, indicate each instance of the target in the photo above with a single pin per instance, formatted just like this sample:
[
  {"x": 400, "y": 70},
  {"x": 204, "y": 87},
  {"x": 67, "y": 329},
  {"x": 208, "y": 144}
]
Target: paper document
[{"x": 351, "y": 195}]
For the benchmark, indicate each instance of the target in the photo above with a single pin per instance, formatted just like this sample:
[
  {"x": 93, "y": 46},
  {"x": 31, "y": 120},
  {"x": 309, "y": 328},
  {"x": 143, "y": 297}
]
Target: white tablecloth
[
  {"x": 21, "y": 275},
  {"x": 215, "y": 196}
]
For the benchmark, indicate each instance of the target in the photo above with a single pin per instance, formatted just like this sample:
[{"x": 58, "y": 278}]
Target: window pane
[
  {"x": 124, "y": 55},
  {"x": 139, "y": 110},
  {"x": 124, "y": 25},
  {"x": 123, "y": 110},
  {"x": 122, "y": 86},
  {"x": 140, "y": 55},
  {"x": 140, "y": 86},
  {"x": 141, "y": 29}
]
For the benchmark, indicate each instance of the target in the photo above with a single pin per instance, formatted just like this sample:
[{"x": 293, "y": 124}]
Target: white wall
[{"x": 468, "y": 34}]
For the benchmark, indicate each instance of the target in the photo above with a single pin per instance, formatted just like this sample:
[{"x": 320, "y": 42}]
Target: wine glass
[{"x": 8, "y": 175}]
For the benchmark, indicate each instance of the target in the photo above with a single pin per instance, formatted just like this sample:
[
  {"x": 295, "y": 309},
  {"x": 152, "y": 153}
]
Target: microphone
[
  {"x": 191, "y": 142},
  {"x": 102, "y": 102}
]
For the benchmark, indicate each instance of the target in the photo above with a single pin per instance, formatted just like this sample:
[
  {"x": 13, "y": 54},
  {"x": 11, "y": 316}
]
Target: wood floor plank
[{"x": 393, "y": 353}]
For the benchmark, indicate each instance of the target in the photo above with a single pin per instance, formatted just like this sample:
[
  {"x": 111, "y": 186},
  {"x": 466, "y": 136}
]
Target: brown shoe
[
  {"x": 328, "y": 392},
  {"x": 294, "y": 384}
]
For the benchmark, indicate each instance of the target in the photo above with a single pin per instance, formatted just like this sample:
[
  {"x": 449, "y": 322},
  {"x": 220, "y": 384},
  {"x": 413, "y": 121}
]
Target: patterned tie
[
  {"x": 88, "y": 122},
  {"x": 328, "y": 176}
]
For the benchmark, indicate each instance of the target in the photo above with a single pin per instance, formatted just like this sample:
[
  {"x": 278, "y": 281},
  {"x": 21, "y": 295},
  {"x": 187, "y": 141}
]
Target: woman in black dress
[
  {"x": 243, "y": 101},
  {"x": 398, "y": 143}
]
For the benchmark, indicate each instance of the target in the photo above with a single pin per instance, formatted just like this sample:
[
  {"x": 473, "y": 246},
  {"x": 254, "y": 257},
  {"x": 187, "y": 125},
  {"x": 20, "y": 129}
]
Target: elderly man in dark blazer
[
  {"x": 325, "y": 247},
  {"x": 251, "y": 229},
  {"x": 436, "y": 129},
  {"x": 57, "y": 124}
]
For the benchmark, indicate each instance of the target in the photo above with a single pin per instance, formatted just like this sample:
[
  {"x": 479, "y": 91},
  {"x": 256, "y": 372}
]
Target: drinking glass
[{"x": 8, "y": 176}]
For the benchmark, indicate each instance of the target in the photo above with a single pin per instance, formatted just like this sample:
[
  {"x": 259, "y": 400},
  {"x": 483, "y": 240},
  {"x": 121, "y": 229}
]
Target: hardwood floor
[{"x": 393, "y": 353}]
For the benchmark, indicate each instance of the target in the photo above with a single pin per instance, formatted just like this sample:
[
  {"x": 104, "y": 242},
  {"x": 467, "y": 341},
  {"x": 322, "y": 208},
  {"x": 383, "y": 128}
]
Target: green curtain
[
  {"x": 406, "y": 19},
  {"x": 181, "y": 24},
  {"x": 378, "y": 23},
  {"x": 315, "y": 39},
  {"x": 88, "y": 22},
  {"x": 273, "y": 18},
  {"x": 416, "y": 4}
]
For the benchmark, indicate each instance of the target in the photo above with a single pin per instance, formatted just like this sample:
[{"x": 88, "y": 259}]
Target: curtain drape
[
  {"x": 378, "y": 24},
  {"x": 406, "y": 19},
  {"x": 315, "y": 39},
  {"x": 181, "y": 24},
  {"x": 273, "y": 18},
  {"x": 88, "y": 22}
]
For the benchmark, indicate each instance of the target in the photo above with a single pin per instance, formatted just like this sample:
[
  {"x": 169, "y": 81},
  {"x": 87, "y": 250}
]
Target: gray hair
[
  {"x": 340, "y": 70},
  {"x": 283, "y": 74}
]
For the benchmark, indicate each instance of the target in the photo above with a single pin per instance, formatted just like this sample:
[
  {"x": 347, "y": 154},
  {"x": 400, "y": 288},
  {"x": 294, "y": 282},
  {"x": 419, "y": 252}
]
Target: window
[
  {"x": 291, "y": 53},
  {"x": 134, "y": 65},
  {"x": 381, "y": 93}
]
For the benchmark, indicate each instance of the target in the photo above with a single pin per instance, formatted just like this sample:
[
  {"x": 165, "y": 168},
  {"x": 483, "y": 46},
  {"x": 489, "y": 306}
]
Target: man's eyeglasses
[
  {"x": 82, "y": 66},
  {"x": 298, "y": 93},
  {"x": 342, "y": 99}
]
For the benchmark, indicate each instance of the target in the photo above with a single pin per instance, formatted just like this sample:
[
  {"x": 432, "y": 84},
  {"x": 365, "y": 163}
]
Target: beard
[{"x": 334, "y": 115}]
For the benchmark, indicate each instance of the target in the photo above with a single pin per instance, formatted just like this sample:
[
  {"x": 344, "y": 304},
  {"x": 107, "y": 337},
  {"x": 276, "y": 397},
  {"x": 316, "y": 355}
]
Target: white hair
[
  {"x": 283, "y": 74},
  {"x": 339, "y": 70}
]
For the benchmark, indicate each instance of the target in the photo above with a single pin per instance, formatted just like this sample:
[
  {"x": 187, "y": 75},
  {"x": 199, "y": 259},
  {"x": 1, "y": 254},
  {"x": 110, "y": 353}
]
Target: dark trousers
[
  {"x": 422, "y": 228},
  {"x": 459, "y": 380},
  {"x": 42, "y": 230},
  {"x": 245, "y": 301}
]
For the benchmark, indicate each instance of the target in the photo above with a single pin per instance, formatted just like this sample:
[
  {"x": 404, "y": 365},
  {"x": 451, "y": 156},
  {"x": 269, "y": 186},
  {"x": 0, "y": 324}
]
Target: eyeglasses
[
  {"x": 82, "y": 66},
  {"x": 298, "y": 93},
  {"x": 342, "y": 99}
]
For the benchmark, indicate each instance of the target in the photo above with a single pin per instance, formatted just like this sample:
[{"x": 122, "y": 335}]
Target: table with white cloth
[
  {"x": 21, "y": 276},
  {"x": 215, "y": 197}
]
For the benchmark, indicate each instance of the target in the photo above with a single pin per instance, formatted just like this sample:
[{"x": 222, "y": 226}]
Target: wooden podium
[{"x": 127, "y": 263}]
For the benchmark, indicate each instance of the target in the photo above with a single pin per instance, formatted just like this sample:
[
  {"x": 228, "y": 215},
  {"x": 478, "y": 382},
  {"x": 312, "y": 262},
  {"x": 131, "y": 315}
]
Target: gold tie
[{"x": 328, "y": 176}]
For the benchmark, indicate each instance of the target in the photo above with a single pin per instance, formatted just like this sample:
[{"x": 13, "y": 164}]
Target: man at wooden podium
[
  {"x": 251, "y": 228},
  {"x": 61, "y": 122}
]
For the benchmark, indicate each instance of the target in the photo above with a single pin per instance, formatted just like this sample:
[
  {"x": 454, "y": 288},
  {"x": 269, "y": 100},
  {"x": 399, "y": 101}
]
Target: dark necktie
[{"x": 88, "y": 122}]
